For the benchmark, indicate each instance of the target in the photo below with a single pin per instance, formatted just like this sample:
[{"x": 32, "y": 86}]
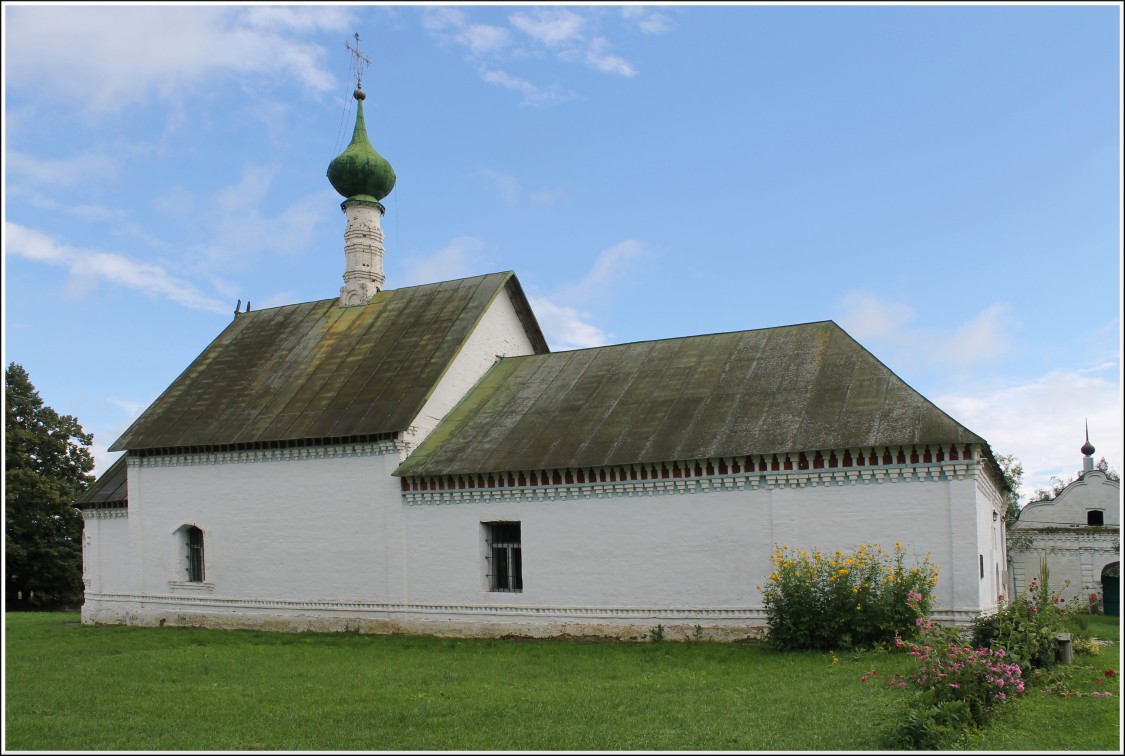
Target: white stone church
[{"x": 417, "y": 460}]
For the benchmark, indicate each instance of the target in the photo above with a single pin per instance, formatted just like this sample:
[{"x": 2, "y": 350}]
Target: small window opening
[
  {"x": 505, "y": 560},
  {"x": 1095, "y": 517},
  {"x": 982, "y": 566},
  {"x": 195, "y": 555}
]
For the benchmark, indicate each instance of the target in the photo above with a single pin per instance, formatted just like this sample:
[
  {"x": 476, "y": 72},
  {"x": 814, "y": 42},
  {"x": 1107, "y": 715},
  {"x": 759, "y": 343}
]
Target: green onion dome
[{"x": 359, "y": 172}]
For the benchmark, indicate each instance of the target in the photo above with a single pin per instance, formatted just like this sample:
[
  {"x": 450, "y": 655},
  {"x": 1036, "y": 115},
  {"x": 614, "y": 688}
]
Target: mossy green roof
[
  {"x": 793, "y": 388},
  {"x": 320, "y": 371},
  {"x": 110, "y": 487}
]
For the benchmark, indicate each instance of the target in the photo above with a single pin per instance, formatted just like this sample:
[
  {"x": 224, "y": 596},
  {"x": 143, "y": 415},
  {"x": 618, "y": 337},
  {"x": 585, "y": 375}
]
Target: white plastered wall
[
  {"x": 327, "y": 542},
  {"x": 704, "y": 550}
]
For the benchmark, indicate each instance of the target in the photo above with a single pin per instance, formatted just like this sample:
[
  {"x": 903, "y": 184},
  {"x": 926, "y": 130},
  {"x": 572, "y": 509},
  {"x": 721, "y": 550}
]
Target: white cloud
[
  {"x": 607, "y": 272},
  {"x": 876, "y": 322},
  {"x": 87, "y": 265},
  {"x": 436, "y": 19},
  {"x": 299, "y": 17},
  {"x": 568, "y": 326},
  {"x": 506, "y": 184},
  {"x": 233, "y": 219},
  {"x": 646, "y": 20},
  {"x": 985, "y": 337},
  {"x": 58, "y": 172},
  {"x": 561, "y": 32},
  {"x": 548, "y": 195},
  {"x": 482, "y": 39},
  {"x": 868, "y": 318},
  {"x": 455, "y": 260},
  {"x": 598, "y": 58},
  {"x": 532, "y": 94},
  {"x": 565, "y": 327},
  {"x": 1042, "y": 421},
  {"x": 105, "y": 57},
  {"x": 553, "y": 27},
  {"x": 511, "y": 190}
]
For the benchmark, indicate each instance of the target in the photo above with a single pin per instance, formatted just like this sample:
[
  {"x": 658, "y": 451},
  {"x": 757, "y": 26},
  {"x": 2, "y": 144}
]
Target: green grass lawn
[{"x": 74, "y": 687}]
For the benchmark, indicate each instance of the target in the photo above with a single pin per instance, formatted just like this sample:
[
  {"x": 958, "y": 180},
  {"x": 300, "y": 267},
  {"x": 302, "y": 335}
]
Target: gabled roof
[
  {"x": 110, "y": 488},
  {"x": 793, "y": 388},
  {"x": 318, "y": 371}
]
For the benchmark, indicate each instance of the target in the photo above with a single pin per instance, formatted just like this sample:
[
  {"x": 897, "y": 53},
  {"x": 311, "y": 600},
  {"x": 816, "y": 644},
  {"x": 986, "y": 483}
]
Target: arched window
[
  {"x": 1095, "y": 517},
  {"x": 194, "y": 554}
]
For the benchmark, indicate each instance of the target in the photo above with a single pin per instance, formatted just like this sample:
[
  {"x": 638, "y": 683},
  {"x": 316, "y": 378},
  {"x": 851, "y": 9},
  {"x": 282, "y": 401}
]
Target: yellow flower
[
  {"x": 843, "y": 572},
  {"x": 835, "y": 660},
  {"x": 856, "y": 589},
  {"x": 859, "y": 607},
  {"x": 773, "y": 576}
]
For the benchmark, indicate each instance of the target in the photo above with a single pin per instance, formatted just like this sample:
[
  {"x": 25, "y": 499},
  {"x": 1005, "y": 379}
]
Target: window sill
[{"x": 188, "y": 587}]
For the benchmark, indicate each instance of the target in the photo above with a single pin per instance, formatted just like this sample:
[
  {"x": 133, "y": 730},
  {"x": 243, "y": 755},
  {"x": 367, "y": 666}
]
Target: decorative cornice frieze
[
  {"x": 251, "y": 456},
  {"x": 105, "y": 513},
  {"x": 795, "y": 470}
]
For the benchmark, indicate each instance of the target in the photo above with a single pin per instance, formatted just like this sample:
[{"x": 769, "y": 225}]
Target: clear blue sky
[{"x": 942, "y": 181}]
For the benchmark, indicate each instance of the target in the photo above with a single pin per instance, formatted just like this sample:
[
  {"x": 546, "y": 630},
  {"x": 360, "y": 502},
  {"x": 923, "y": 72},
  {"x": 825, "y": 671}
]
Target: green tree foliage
[
  {"x": 1012, "y": 469},
  {"x": 46, "y": 467}
]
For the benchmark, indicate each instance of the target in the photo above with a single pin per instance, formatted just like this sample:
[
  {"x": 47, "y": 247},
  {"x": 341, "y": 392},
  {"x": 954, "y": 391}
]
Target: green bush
[
  {"x": 836, "y": 600},
  {"x": 1026, "y": 627}
]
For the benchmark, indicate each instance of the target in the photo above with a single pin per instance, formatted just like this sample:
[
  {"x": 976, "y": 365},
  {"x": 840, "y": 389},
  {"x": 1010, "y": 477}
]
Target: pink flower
[{"x": 954, "y": 685}]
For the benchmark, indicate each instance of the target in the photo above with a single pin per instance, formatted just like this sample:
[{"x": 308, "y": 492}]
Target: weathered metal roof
[
  {"x": 110, "y": 488},
  {"x": 317, "y": 371},
  {"x": 793, "y": 388}
]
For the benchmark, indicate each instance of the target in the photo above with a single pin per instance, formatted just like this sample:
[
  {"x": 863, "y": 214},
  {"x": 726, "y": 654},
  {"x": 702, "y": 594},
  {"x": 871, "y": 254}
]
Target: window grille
[
  {"x": 504, "y": 568},
  {"x": 195, "y": 555}
]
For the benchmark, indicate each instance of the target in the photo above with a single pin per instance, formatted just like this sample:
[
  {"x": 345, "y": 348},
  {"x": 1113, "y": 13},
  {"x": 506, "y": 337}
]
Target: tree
[
  {"x": 46, "y": 467},
  {"x": 1012, "y": 469}
]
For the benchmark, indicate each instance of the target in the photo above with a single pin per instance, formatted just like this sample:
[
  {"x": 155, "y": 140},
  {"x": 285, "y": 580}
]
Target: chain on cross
[{"x": 360, "y": 60}]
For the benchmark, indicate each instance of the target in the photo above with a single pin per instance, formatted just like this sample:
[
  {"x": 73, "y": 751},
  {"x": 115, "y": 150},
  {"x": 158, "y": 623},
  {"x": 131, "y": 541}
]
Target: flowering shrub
[
  {"x": 1026, "y": 627},
  {"x": 955, "y": 687},
  {"x": 835, "y": 600}
]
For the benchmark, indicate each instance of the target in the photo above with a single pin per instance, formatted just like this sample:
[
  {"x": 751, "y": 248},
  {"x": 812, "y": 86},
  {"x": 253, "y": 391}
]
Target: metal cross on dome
[{"x": 359, "y": 61}]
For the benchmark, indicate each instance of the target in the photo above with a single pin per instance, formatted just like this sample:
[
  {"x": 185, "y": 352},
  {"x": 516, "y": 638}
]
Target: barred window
[
  {"x": 194, "y": 555},
  {"x": 504, "y": 562}
]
